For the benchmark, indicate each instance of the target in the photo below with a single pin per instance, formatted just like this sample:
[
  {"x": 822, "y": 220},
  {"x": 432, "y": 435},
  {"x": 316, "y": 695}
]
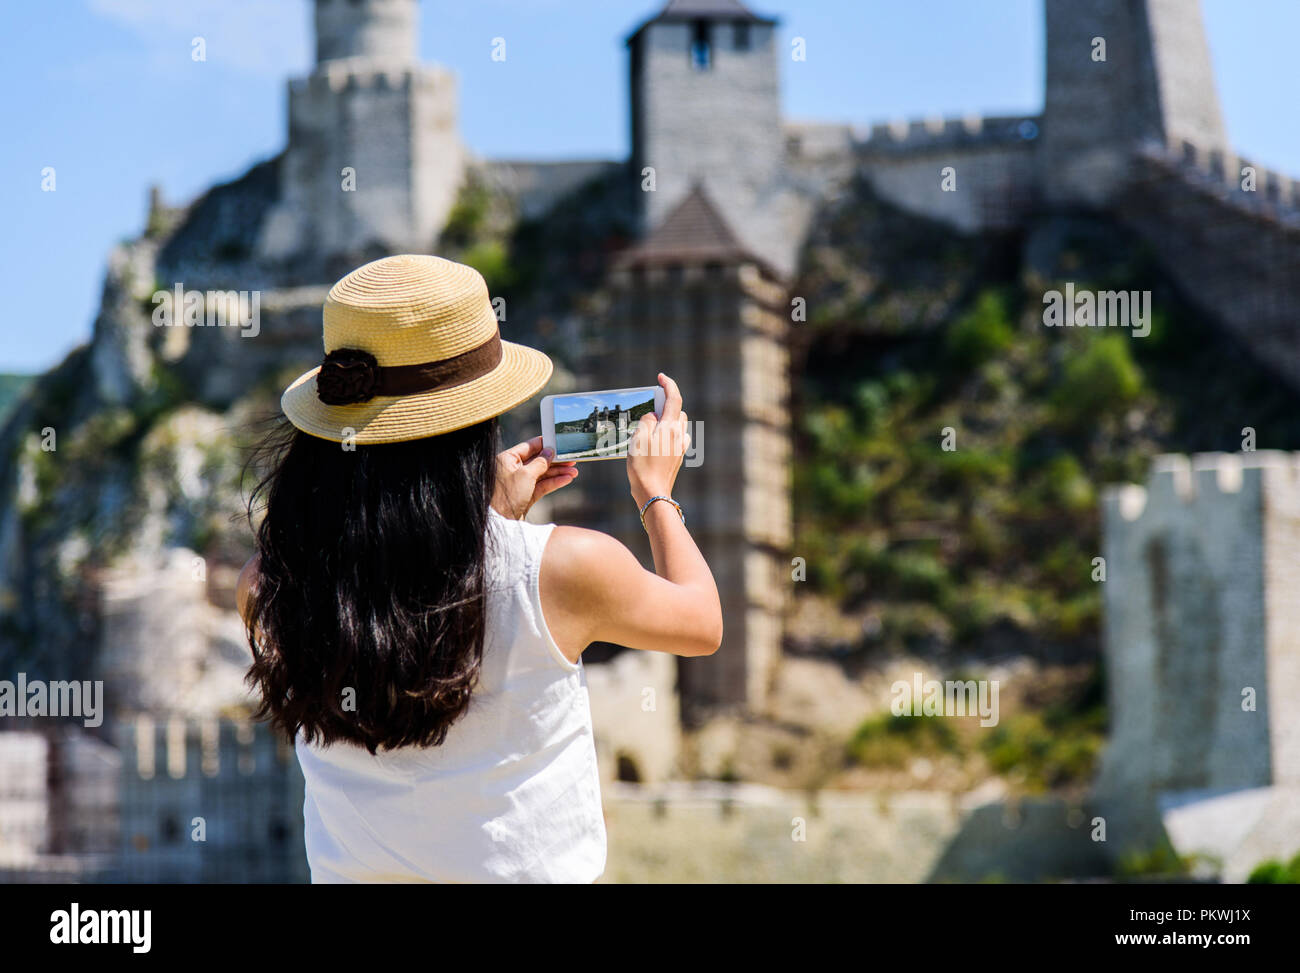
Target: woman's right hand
[
  {"x": 655, "y": 453},
  {"x": 594, "y": 589}
]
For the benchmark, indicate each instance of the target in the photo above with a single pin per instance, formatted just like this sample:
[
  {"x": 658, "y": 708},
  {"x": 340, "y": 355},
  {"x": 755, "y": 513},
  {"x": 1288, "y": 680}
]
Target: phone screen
[{"x": 598, "y": 425}]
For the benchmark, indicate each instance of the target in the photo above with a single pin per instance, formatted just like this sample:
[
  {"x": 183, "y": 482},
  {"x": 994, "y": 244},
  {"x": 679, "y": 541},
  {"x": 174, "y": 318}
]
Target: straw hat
[{"x": 412, "y": 350}]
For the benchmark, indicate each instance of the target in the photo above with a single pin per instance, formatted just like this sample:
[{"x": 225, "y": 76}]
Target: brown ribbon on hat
[{"x": 350, "y": 375}]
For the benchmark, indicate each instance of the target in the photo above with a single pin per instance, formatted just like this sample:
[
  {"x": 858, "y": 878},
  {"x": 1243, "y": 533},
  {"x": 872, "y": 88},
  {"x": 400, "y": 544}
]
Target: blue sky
[
  {"x": 568, "y": 407},
  {"x": 105, "y": 91}
]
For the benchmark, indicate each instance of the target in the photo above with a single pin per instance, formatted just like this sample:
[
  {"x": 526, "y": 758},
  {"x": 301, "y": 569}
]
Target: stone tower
[
  {"x": 690, "y": 301},
  {"x": 706, "y": 109},
  {"x": 374, "y": 156},
  {"x": 1202, "y": 634},
  {"x": 1156, "y": 83}
]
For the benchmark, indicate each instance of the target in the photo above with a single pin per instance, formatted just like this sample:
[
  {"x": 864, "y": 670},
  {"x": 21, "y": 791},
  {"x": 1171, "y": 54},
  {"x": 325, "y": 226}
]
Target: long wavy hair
[{"x": 366, "y": 613}]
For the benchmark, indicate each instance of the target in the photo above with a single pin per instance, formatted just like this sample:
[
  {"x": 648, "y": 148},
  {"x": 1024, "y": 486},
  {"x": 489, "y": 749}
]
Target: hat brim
[{"x": 521, "y": 374}]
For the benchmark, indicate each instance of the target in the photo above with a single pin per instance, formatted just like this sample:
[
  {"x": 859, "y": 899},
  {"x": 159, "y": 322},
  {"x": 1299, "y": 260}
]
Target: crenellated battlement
[
  {"x": 1203, "y": 481},
  {"x": 1232, "y": 250},
  {"x": 208, "y": 801},
  {"x": 337, "y": 77},
  {"x": 1275, "y": 195},
  {"x": 946, "y": 133},
  {"x": 185, "y": 748},
  {"x": 905, "y": 163}
]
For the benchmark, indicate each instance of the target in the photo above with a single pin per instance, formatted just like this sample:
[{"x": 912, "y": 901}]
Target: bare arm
[{"x": 594, "y": 589}]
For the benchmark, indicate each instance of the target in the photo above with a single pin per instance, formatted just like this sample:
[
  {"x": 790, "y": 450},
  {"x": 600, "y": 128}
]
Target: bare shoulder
[
  {"x": 578, "y": 568},
  {"x": 579, "y": 542},
  {"x": 577, "y": 553},
  {"x": 573, "y": 554}
]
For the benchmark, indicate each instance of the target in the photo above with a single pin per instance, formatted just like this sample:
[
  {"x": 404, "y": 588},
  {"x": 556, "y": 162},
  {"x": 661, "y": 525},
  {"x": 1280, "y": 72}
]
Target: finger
[
  {"x": 645, "y": 427},
  {"x": 526, "y": 450},
  {"x": 672, "y": 399},
  {"x": 558, "y": 473},
  {"x": 539, "y": 464},
  {"x": 549, "y": 484}
]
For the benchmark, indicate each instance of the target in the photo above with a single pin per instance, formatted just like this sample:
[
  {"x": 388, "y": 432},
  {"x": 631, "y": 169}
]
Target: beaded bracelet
[{"x": 646, "y": 506}]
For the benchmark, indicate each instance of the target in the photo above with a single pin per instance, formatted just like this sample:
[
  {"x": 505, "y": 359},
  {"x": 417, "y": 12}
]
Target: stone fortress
[
  {"x": 606, "y": 421},
  {"x": 370, "y": 107},
  {"x": 726, "y": 188}
]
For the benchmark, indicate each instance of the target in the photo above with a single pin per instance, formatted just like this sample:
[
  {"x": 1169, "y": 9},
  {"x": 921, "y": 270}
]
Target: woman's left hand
[{"x": 525, "y": 474}]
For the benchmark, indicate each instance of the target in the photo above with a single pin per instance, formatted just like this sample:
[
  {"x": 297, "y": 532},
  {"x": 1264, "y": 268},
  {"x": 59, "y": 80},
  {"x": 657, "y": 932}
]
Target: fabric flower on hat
[{"x": 347, "y": 376}]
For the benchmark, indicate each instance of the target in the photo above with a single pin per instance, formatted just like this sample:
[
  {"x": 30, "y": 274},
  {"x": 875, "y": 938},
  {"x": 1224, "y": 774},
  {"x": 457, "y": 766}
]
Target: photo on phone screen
[{"x": 596, "y": 425}]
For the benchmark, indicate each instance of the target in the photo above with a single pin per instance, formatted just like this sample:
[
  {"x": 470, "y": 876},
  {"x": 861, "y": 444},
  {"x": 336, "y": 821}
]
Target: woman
[{"x": 419, "y": 641}]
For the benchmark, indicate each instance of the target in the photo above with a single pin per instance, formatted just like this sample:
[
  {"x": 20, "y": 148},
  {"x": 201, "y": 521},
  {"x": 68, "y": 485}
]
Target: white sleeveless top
[{"x": 511, "y": 795}]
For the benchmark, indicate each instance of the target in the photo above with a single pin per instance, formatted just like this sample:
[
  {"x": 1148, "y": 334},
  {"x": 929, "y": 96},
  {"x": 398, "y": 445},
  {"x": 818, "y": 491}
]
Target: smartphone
[{"x": 583, "y": 426}]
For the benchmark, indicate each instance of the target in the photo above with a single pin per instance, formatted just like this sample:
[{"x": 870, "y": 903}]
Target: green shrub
[
  {"x": 972, "y": 467},
  {"x": 491, "y": 260},
  {"x": 888, "y": 740},
  {"x": 872, "y": 402},
  {"x": 982, "y": 333},
  {"x": 840, "y": 492},
  {"x": 1101, "y": 380},
  {"x": 1274, "y": 872},
  {"x": 467, "y": 216},
  {"x": 916, "y": 575},
  {"x": 1049, "y": 753},
  {"x": 973, "y": 612},
  {"x": 1073, "y": 617},
  {"x": 1160, "y": 860},
  {"x": 1067, "y": 485}
]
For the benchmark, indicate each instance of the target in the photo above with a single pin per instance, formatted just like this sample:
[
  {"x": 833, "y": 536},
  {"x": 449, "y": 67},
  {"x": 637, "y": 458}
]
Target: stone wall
[
  {"x": 720, "y": 333},
  {"x": 1156, "y": 82},
  {"x": 994, "y": 182},
  {"x": 636, "y": 718},
  {"x": 1235, "y": 253},
  {"x": 742, "y": 833},
  {"x": 395, "y": 128},
  {"x": 1198, "y": 612},
  {"x": 1188, "y": 97},
  {"x": 239, "y": 778},
  {"x": 164, "y": 649},
  {"x": 719, "y": 126},
  {"x": 24, "y": 798},
  {"x": 372, "y": 110},
  {"x": 377, "y": 29},
  {"x": 535, "y": 187},
  {"x": 58, "y": 799}
]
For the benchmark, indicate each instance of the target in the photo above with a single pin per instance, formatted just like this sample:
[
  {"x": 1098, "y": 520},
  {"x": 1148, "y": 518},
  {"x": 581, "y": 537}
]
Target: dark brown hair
[{"x": 368, "y": 601}]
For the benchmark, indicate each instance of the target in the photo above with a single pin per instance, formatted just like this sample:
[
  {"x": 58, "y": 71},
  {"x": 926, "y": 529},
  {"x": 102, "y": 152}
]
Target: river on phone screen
[
  {"x": 588, "y": 445},
  {"x": 574, "y": 442}
]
